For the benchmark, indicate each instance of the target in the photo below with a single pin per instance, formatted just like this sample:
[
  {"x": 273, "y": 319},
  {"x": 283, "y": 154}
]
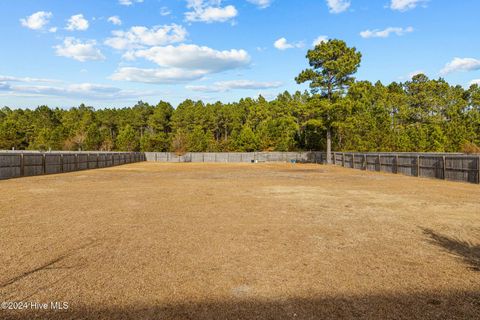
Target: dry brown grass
[{"x": 221, "y": 241}]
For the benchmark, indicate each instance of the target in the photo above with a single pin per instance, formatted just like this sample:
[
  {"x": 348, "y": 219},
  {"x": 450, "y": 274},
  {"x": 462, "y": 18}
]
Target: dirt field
[{"x": 220, "y": 241}]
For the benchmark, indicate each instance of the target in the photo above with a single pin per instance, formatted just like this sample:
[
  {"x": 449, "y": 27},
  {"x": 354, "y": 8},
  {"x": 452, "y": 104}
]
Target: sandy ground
[{"x": 224, "y": 241}]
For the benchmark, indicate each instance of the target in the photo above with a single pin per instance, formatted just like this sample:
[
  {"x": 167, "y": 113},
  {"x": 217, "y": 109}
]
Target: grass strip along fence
[
  {"x": 447, "y": 166},
  {"x": 23, "y": 164}
]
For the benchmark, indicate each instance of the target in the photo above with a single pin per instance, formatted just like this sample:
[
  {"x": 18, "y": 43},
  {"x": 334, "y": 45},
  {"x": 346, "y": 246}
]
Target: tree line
[{"x": 419, "y": 115}]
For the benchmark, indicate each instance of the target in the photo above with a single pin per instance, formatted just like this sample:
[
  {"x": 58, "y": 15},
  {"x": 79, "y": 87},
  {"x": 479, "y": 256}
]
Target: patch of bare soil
[{"x": 239, "y": 241}]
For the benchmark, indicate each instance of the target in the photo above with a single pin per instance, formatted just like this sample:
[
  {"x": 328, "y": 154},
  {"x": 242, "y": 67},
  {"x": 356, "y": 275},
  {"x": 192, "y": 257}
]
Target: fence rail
[
  {"x": 15, "y": 164},
  {"x": 448, "y": 166}
]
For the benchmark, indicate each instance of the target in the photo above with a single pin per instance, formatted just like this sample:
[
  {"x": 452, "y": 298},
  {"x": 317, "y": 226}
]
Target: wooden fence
[
  {"x": 23, "y": 164},
  {"x": 238, "y": 157},
  {"x": 448, "y": 166},
  {"x": 454, "y": 167}
]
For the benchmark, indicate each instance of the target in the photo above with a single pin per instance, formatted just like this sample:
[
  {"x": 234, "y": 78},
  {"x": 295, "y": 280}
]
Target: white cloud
[
  {"x": 5, "y": 86},
  {"x": 139, "y": 36},
  {"x": 129, "y": 2},
  {"x": 37, "y": 20},
  {"x": 386, "y": 32},
  {"x": 461, "y": 64},
  {"x": 80, "y": 51},
  {"x": 283, "y": 44},
  {"x": 209, "y": 11},
  {"x": 414, "y": 73},
  {"x": 319, "y": 40},
  {"x": 25, "y": 79},
  {"x": 164, "y": 75},
  {"x": 193, "y": 57},
  {"x": 76, "y": 90},
  {"x": 338, "y": 6},
  {"x": 115, "y": 20},
  {"x": 261, "y": 3},
  {"x": 164, "y": 11},
  {"x": 181, "y": 63},
  {"x": 475, "y": 81},
  {"x": 53, "y": 29},
  {"x": 77, "y": 22},
  {"x": 224, "y": 86},
  {"x": 404, "y": 5}
]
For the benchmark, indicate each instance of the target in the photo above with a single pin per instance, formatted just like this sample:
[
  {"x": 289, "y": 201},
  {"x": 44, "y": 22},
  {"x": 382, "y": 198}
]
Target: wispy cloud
[
  {"x": 461, "y": 64},
  {"x": 318, "y": 40},
  {"x": 4, "y": 78},
  {"x": 385, "y": 33},
  {"x": 115, "y": 20},
  {"x": 405, "y": 5},
  {"x": 338, "y": 6},
  {"x": 283, "y": 44},
  {"x": 140, "y": 36},
  {"x": 209, "y": 11},
  {"x": 262, "y": 4},
  {"x": 164, "y": 11},
  {"x": 94, "y": 91},
  {"x": 224, "y": 86},
  {"x": 129, "y": 2}
]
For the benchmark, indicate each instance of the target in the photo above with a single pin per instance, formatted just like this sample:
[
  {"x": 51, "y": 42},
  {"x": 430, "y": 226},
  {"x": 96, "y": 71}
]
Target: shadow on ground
[
  {"x": 455, "y": 305},
  {"x": 465, "y": 250}
]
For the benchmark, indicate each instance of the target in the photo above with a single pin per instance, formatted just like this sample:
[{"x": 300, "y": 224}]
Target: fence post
[
  {"x": 334, "y": 158},
  {"x": 353, "y": 160},
  {"x": 343, "y": 159},
  {"x": 61, "y": 163},
  {"x": 418, "y": 166},
  {"x": 444, "y": 167},
  {"x": 396, "y": 163},
  {"x": 76, "y": 162},
  {"x": 379, "y": 163},
  {"x": 22, "y": 164},
  {"x": 478, "y": 170},
  {"x": 44, "y": 163}
]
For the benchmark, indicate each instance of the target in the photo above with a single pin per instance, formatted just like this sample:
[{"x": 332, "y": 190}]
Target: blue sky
[{"x": 112, "y": 53}]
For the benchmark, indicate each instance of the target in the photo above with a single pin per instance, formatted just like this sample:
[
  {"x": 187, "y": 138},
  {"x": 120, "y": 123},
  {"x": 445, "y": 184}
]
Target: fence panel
[
  {"x": 462, "y": 169},
  {"x": 33, "y": 164},
  {"x": 236, "y": 157},
  {"x": 69, "y": 162},
  {"x": 454, "y": 167},
  {"x": 388, "y": 163},
  {"x": 53, "y": 163},
  {"x": 10, "y": 165},
  {"x": 15, "y": 164}
]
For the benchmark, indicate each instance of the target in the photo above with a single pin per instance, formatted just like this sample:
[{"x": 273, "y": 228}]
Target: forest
[{"x": 419, "y": 115}]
